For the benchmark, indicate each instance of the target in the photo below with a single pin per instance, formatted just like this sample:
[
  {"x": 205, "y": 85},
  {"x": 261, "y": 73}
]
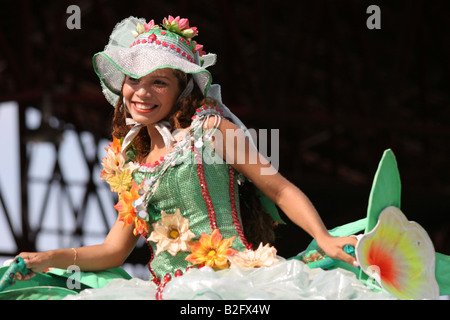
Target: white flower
[
  {"x": 264, "y": 256},
  {"x": 171, "y": 233}
]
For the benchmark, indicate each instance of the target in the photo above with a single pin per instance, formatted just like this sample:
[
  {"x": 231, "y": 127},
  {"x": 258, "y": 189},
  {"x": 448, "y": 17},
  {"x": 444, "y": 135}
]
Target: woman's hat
[{"x": 137, "y": 48}]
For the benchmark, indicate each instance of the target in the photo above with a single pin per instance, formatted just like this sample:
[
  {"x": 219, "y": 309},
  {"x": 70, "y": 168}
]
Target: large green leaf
[
  {"x": 386, "y": 189},
  {"x": 385, "y": 192}
]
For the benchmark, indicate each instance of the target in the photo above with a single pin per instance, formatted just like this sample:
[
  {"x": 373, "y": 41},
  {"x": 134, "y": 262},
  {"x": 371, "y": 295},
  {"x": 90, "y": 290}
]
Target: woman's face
[{"x": 150, "y": 99}]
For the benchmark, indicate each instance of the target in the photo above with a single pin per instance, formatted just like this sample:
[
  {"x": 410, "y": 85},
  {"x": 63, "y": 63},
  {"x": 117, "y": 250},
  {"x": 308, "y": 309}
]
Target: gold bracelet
[{"x": 75, "y": 256}]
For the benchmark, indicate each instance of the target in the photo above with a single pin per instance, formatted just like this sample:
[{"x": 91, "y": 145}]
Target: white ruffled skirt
[{"x": 287, "y": 280}]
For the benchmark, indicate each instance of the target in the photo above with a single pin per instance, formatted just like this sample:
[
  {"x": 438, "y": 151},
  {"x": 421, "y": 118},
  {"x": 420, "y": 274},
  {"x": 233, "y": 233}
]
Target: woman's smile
[{"x": 143, "y": 107}]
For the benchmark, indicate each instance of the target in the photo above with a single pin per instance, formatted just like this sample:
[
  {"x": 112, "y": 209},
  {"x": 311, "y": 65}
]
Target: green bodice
[{"x": 186, "y": 185}]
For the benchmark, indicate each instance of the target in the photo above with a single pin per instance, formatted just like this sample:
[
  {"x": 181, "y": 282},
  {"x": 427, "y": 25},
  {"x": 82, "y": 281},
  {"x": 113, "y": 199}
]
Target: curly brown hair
[{"x": 258, "y": 226}]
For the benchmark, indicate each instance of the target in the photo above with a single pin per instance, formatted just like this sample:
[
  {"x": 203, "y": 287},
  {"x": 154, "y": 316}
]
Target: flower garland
[{"x": 117, "y": 171}]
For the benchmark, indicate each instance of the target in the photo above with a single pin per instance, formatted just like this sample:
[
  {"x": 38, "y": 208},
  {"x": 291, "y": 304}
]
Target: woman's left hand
[{"x": 334, "y": 248}]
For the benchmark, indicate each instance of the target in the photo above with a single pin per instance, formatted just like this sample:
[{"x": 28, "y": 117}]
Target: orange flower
[
  {"x": 211, "y": 250},
  {"x": 115, "y": 145},
  {"x": 140, "y": 227},
  {"x": 127, "y": 213}
]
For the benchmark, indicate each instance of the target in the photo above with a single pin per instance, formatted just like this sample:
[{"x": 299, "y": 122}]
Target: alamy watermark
[
  {"x": 74, "y": 279},
  {"x": 237, "y": 147},
  {"x": 374, "y": 20},
  {"x": 74, "y": 20}
]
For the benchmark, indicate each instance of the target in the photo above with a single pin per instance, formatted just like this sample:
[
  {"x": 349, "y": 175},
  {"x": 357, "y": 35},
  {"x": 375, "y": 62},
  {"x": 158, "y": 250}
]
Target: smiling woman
[{"x": 202, "y": 219}]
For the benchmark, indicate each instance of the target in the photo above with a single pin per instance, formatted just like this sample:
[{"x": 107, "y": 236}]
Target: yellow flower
[
  {"x": 121, "y": 181},
  {"x": 264, "y": 256},
  {"x": 211, "y": 250},
  {"x": 171, "y": 233}
]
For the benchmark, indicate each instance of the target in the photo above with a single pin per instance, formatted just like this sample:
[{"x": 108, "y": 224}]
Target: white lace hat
[{"x": 137, "y": 48}]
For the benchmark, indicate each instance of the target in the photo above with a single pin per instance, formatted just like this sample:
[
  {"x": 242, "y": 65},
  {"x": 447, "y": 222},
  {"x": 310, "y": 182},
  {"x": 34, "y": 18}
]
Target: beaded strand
[
  {"x": 236, "y": 221},
  {"x": 155, "y": 279},
  {"x": 204, "y": 187}
]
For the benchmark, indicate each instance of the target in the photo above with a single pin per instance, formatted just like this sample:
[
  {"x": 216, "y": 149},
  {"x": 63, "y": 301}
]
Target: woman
[{"x": 170, "y": 133}]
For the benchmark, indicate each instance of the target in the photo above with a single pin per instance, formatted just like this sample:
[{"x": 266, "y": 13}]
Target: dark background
[{"x": 339, "y": 93}]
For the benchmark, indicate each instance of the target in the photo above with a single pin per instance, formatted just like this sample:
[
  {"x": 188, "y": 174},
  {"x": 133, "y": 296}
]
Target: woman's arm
[
  {"x": 290, "y": 199},
  {"x": 110, "y": 254}
]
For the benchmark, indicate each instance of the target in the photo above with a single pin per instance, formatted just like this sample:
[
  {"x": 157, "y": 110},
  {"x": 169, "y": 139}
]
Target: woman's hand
[
  {"x": 334, "y": 248},
  {"x": 36, "y": 262}
]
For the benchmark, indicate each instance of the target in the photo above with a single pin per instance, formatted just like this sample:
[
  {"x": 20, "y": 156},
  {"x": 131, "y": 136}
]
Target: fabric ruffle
[{"x": 286, "y": 280}]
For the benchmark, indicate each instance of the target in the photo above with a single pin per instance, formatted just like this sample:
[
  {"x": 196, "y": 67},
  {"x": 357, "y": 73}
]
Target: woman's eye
[
  {"x": 159, "y": 82},
  {"x": 131, "y": 79}
]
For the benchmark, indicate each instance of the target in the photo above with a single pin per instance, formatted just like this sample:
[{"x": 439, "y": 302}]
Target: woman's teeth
[{"x": 144, "y": 106}]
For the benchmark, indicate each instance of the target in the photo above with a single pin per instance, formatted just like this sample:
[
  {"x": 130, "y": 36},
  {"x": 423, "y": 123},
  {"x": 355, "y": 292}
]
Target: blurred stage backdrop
[{"x": 339, "y": 93}]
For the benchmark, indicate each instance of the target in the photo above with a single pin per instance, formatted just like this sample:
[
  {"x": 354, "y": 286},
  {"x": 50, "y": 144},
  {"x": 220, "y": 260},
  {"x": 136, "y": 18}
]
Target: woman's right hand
[{"x": 36, "y": 262}]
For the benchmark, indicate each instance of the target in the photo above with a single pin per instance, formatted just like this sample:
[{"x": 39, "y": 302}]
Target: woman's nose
[{"x": 143, "y": 92}]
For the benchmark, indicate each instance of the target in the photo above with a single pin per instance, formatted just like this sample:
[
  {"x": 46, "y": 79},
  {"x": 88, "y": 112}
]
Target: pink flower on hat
[
  {"x": 146, "y": 27},
  {"x": 149, "y": 26},
  {"x": 178, "y": 23},
  {"x": 199, "y": 49},
  {"x": 190, "y": 33},
  {"x": 180, "y": 26}
]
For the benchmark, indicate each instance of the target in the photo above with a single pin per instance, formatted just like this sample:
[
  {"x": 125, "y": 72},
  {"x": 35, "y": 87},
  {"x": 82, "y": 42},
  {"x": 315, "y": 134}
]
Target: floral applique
[
  {"x": 211, "y": 250},
  {"x": 171, "y": 233},
  {"x": 264, "y": 256},
  {"x": 215, "y": 252}
]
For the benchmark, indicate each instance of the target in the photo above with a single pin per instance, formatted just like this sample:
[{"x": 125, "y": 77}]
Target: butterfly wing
[{"x": 400, "y": 256}]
